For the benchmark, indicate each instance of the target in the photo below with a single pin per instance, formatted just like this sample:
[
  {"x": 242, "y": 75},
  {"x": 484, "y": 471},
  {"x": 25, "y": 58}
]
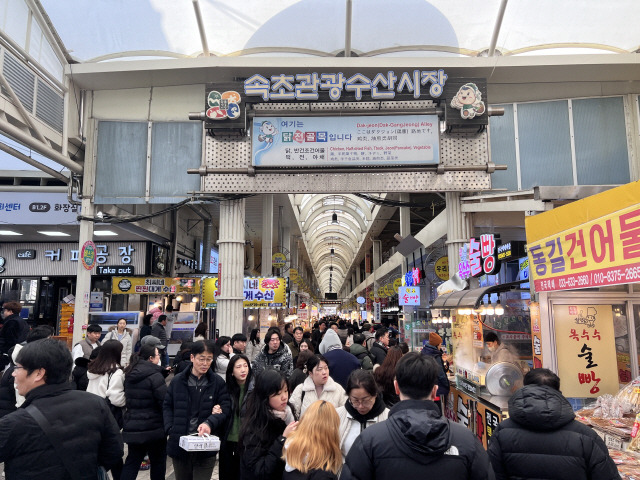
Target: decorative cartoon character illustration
[
  {"x": 469, "y": 101},
  {"x": 223, "y": 106},
  {"x": 267, "y": 132}
]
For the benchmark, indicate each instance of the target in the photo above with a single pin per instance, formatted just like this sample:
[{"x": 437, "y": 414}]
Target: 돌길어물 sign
[{"x": 592, "y": 242}]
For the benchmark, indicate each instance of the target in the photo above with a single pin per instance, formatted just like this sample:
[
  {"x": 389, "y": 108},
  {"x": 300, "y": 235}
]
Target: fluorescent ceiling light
[
  {"x": 9, "y": 232},
  {"x": 53, "y": 233},
  {"x": 104, "y": 233}
]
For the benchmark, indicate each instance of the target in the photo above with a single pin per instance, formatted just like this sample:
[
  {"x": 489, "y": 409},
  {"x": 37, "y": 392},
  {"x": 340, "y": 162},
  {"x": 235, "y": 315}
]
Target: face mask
[
  {"x": 492, "y": 349},
  {"x": 158, "y": 361}
]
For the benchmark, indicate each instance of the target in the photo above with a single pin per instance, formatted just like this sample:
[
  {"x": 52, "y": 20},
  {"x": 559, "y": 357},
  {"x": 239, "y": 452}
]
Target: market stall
[{"x": 483, "y": 381}]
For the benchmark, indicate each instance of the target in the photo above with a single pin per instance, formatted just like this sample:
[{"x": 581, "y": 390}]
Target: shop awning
[{"x": 471, "y": 298}]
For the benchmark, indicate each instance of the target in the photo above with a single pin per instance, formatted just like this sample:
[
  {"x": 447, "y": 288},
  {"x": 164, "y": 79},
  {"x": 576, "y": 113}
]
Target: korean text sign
[
  {"x": 345, "y": 141},
  {"x": 586, "y": 350},
  {"x": 257, "y": 292},
  {"x": 157, "y": 285},
  {"x": 409, "y": 296},
  {"x": 590, "y": 243}
]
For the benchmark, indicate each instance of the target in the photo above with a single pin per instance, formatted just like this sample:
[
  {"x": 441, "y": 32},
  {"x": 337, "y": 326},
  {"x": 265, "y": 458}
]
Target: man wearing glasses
[
  {"x": 13, "y": 331},
  {"x": 59, "y": 432},
  {"x": 189, "y": 408}
]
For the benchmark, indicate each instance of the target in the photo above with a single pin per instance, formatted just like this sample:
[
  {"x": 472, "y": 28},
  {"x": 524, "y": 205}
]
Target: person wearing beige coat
[
  {"x": 123, "y": 334},
  {"x": 317, "y": 386}
]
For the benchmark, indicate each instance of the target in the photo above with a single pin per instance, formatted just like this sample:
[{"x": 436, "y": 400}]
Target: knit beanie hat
[{"x": 435, "y": 339}]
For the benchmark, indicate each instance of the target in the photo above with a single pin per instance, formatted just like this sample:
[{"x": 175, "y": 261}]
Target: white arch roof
[{"x": 91, "y": 30}]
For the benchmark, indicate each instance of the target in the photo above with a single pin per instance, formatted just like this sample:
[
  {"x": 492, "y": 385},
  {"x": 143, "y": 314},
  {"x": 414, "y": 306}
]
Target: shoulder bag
[{"x": 47, "y": 429}]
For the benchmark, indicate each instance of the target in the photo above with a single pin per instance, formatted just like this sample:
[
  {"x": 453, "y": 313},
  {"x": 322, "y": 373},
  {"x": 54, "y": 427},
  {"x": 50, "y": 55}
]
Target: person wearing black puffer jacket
[
  {"x": 416, "y": 441},
  {"x": 541, "y": 438},
  {"x": 188, "y": 408},
  {"x": 143, "y": 431}
]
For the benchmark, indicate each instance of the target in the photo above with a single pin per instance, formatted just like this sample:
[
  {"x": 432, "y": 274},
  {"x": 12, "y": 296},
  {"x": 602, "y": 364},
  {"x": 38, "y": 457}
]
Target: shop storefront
[
  {"x": 585, "y": 264},
  {"x": 42, "y": 276},
  {"x": 500, "y": 305}
]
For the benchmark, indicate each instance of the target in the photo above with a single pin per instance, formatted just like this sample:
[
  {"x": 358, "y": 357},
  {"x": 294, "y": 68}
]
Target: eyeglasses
[
  {"x": 203, "y": 359},
  {"x": 18, "y": 367},
  {"x": 358, "y": 402}
]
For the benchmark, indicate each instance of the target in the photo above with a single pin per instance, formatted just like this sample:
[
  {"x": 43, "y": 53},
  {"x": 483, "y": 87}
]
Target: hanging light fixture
[
  {"x": 490, "y": 310},
  {"x": 334, "y": 217},
  {"x": 333, "y": 252},
  {"x": 499, "y": 309}
]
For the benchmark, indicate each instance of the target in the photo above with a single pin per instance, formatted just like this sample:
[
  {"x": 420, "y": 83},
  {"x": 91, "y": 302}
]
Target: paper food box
[{"x": 195, "y": 443}]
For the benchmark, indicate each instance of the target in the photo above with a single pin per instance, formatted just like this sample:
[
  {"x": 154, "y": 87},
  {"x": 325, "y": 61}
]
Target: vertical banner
[
  {"x": 586, "y": 350},
  {"x": 536, "y": 334}
]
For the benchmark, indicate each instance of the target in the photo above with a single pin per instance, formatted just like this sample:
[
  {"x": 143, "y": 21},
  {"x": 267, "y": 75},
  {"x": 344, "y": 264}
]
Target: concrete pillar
[
  {"x": 459, "y": 230},
  {"x": 267, "y": 235},
  {"x": 83, "y": 276},
  {"x": 231, "y": 250}
]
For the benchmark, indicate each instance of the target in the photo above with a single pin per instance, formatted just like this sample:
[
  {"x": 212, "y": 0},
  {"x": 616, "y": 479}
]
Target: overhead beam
[
  {"x": 33, "y": 163},
  {"x": 29, "y": 141}
]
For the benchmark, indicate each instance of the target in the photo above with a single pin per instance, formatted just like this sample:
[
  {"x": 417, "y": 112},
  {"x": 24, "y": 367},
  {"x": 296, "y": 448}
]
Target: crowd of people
[{"x": 341, "y": 401}]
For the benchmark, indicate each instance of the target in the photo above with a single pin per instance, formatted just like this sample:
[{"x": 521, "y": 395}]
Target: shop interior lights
[
  {"x": 490, "y": 310},
  {"x": 195, "y": 299},
  {"x": 179, "y": 298},
  {"x": 499, "y": 309}
]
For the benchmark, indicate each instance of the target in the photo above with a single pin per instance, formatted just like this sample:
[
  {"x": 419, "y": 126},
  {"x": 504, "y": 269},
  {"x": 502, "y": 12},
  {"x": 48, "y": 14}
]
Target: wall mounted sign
[
  {"x": 345, "y": 141},
  {"x": 61, "y": 258},
  {"x": 88, "y": 255},
  {"x": 409, "y": 296},
  {"x": 441, "y": 268},
  {"x": 382, "y": 86},
  {"x": 37, "y": 208},
  {"x": 25, "y": 254},
  {"x": 592, "y": 242},
  {"x": 510, "y": 251},
  {"x": 585, "y": 346},
  {"x": 479, "y": 257},
  {"x": 278, "y": 260},
  {"x": 163, "y": 286},
  {"x": 224, "y": 108},
  {"x": 258, "y": 292}
]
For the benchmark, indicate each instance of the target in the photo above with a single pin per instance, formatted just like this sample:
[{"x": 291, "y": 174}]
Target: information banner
[
  {"x": 257, "y": 291},
  {"x": 158, "y": 285},
  {"x": 536, "y": 334},
  {"x": 586, "y": 351},
  {"x": 409, "y": 296},
  {"x": 593, "y": 242},
  {"x": 345, "y": 141}
]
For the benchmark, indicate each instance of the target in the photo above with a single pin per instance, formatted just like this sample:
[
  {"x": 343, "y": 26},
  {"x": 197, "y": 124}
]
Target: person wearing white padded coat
[{"x": 317, "y": 386}]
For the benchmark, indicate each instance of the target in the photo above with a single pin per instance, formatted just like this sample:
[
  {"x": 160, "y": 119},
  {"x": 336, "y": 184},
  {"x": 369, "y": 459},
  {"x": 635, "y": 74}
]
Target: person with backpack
[{"x": 359, "y": 350}]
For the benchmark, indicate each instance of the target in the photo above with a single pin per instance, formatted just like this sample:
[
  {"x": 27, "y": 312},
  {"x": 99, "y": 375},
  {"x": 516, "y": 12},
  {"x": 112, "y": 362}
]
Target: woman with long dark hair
[
  {"x": 253, "y": 345},
  {"x": 106, "y": 379},
  {"x": 200, "y": 332},
  {"x": 385, "y": 374},
  {"x": 239, "y": 385},
  {"x": 143, "y": 431},
  {"x": 268, "y": 420},
  {"x": 221, "y": 354},
  {"x": 299, "y": 374}
]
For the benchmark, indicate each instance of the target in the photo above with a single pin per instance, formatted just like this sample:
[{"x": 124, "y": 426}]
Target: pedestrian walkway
[{"x": 145, "y": 474}]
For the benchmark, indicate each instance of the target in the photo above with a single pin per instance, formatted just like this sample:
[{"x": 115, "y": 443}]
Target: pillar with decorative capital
[{"x": 231, "y": 249}]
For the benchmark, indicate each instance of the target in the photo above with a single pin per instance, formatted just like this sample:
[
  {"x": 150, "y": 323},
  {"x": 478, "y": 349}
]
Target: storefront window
[
  {"x": 623, "y": 345},
  {"x": 23, "y": 290}
]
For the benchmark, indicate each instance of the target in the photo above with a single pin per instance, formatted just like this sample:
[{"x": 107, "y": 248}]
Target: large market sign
[
  {"x": 258, "y": 292},
  {"x": 157, "y": 285},
  {"x": 593, "y": 242}
]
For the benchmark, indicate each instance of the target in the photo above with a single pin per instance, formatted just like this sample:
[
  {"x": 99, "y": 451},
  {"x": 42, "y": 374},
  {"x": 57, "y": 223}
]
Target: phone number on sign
[
  {"x": 618, "y": 275},
  {"x": 574, "y": 282}
]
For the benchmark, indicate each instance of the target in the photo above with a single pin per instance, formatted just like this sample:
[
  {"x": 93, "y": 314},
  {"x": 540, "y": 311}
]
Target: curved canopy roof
[
  {"x": 103, "y": 29},
  {"x": 333, "y": 228}
]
